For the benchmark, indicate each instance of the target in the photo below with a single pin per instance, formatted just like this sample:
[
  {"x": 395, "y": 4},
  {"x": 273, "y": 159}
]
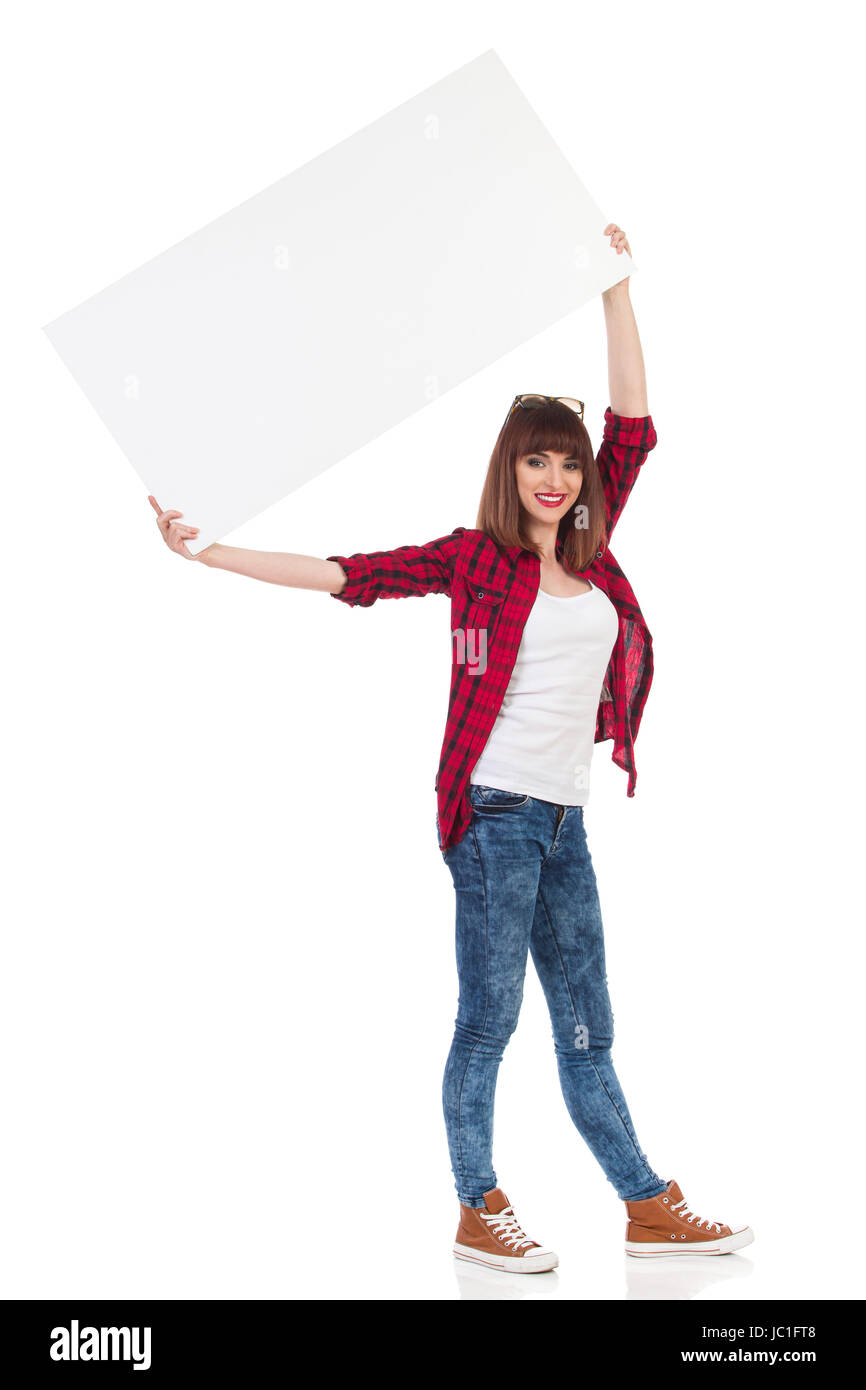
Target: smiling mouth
[{"x": 550, "y": 499}]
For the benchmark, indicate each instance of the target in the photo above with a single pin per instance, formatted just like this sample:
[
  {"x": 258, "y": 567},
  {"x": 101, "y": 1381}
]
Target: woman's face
[{"x": 548, "y": 484}]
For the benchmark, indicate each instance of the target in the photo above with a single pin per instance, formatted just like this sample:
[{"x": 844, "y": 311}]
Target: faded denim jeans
[{"x": 524, "y": 882}]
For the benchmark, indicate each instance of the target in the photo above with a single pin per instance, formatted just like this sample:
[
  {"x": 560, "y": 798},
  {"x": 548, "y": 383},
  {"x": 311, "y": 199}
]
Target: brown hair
[{"x": 558, "y": 429}]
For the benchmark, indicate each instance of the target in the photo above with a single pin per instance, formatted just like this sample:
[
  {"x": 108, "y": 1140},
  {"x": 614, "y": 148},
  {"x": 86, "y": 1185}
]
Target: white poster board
[{"x": 324, "y": 310}]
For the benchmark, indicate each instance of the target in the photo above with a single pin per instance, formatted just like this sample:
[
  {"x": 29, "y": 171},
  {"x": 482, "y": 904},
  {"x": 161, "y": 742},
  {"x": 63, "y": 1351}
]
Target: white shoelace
[
  {"x": 685, "y": 1212},
  {"x": 504, "y": 1225}
]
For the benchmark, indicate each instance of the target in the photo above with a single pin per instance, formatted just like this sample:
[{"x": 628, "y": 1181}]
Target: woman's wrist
[
  {"x": 616, "y": 292},
  {"x": 210, "y": 555}
]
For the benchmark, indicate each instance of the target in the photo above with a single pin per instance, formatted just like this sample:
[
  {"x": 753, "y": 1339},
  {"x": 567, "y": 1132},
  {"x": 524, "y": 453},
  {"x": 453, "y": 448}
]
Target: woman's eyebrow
[{"x": 572, "y": 458}]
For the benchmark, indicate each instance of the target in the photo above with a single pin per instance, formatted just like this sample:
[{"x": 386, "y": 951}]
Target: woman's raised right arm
[{"x": 272, "y": 566}]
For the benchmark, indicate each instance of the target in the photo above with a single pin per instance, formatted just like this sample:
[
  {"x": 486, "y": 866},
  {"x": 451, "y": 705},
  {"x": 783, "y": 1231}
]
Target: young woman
[{"x": 551, "y": 655}]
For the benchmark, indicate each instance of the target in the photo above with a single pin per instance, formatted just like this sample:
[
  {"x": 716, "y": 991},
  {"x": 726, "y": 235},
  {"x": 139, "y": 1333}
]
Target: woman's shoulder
[
  {"x": 472, "y": 537},
  {"x": 476, "y": 543},
  {"x": 481, "y": 557}
]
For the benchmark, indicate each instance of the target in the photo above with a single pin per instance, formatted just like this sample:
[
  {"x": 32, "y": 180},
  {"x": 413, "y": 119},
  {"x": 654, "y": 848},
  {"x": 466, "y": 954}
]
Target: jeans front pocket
[{"x": 493, "y": 800}]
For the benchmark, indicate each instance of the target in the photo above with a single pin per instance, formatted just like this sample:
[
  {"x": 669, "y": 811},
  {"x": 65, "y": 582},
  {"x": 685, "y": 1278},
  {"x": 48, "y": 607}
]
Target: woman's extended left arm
[{"x": 625, "y": 366}]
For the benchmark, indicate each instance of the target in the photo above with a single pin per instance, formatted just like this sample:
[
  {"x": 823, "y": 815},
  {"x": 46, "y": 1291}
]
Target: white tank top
[{"x": 544, "y": 734}]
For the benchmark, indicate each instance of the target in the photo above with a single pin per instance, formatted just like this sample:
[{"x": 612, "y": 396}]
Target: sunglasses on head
[{"x": 531, "y": 402}]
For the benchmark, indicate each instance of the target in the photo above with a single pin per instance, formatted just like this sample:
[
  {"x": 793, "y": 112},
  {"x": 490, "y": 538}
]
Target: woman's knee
[{"x": 490, "y": 1035}]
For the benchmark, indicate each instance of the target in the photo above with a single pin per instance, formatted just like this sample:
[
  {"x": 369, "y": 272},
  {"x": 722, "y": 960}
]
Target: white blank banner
[{"x": 297, "y": 328}]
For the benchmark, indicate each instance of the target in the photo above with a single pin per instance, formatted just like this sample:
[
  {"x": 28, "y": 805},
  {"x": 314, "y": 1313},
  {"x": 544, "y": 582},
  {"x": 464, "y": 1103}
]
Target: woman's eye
[{"x": 533, "y": 462}]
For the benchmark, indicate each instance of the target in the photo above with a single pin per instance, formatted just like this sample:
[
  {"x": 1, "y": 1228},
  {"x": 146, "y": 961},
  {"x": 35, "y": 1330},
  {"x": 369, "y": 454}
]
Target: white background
[{"x": 228, "y": 985}]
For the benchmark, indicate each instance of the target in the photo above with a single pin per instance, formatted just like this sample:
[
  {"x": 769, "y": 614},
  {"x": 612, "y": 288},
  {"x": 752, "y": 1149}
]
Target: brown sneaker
[
  {"x": 666, "y": 1225},
  {"x": 490, "y": 1236}
]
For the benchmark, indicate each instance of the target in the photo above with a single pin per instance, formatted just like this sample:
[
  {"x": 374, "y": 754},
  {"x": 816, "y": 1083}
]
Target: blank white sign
[{"x": 298, "y": 327}]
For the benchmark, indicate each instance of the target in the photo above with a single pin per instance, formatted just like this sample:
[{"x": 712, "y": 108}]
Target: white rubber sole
[
  {"x": 724, "y": 1246},
  {"x": 514, "y": 1264}
]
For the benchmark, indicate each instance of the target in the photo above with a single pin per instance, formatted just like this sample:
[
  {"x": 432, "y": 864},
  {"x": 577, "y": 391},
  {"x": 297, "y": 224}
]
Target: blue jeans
[{"x": 524, "y": 881}]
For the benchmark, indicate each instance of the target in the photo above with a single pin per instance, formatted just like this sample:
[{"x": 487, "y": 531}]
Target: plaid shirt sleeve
[
  {"x": 408, "y": 572},
  {"x": 626, "y": 442}
]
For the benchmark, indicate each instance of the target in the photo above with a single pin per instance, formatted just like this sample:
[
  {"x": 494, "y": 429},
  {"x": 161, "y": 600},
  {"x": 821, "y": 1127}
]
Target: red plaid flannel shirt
[{"x": 493, "y": 590}]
